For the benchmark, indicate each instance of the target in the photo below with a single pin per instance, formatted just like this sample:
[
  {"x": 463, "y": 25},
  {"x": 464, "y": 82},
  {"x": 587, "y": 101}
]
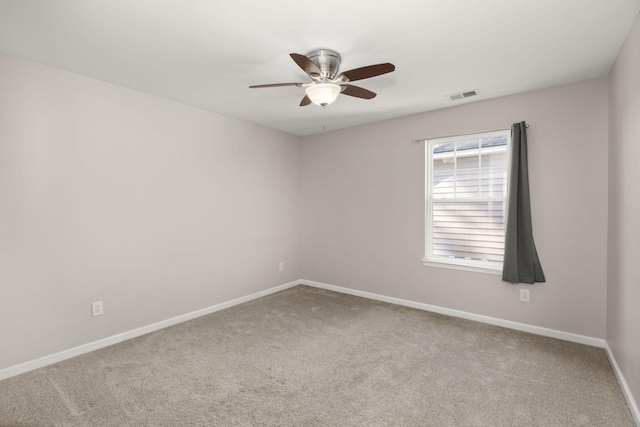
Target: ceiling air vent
[{"x": 462, "y": 95}]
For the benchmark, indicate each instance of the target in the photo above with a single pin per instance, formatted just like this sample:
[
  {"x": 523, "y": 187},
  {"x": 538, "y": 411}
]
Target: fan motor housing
[{"x": 328, "y": 61}]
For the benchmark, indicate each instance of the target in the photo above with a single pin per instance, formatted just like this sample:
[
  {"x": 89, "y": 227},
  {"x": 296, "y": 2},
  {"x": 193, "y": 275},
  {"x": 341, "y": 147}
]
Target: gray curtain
[{"x": 521, "y": 262}]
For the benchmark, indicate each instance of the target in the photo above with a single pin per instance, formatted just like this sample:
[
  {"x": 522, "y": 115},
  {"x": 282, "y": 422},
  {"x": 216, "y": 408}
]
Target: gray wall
[
  {"x": 159, "y": 209},
  {"x": 363, "y": 208},
  {"x": 156, "y": 208},
  {"x": 623, "y": 315}
]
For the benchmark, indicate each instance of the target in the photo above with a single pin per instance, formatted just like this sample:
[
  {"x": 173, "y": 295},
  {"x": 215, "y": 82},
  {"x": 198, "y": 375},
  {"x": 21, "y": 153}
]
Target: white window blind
[{"x": 466, "y": 184}]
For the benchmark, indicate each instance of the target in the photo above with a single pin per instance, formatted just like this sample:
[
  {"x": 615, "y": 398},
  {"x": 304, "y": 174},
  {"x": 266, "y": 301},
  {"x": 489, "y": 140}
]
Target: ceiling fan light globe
[{"x": 323, "y": 94}]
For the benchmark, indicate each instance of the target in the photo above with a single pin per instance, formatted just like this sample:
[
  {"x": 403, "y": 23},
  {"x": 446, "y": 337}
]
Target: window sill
[{"x": 455, "y": 266}]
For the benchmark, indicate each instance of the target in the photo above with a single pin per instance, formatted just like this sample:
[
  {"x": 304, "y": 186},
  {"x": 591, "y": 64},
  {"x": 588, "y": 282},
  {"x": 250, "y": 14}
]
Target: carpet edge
[
  {"x": 114, "y": 339},
  {"x": 537, "y": 330},
  {"x": 626, "y": 391},
  {"x": 60, "y": 356}
]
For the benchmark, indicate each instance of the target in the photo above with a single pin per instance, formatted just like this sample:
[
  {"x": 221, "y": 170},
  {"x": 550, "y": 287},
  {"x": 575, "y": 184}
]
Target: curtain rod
[{"x": 418, "y": 141}]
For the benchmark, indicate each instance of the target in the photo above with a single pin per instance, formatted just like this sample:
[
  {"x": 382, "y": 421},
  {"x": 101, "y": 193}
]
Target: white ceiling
[{"x": 206, "y": 53}]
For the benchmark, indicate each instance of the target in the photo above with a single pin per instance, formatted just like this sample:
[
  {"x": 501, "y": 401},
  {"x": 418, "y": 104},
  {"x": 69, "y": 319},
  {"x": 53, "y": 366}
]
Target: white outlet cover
[
  {"x": 97, "y": 308},
  {"x": 524, "y": 295}
]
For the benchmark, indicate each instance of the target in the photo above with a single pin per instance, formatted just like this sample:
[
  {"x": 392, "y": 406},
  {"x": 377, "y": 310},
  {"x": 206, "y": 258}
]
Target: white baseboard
[
  {"x": 95, "y": 345},
  {"x": 566, "y": 336},
  {"x": 633, "y": 406},
  {"x": 115, "y": 339}
]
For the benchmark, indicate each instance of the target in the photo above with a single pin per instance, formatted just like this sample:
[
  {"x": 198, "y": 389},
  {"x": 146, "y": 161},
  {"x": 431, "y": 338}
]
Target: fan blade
[
  {"x": 358, "y": 92},
  {"x": 368, "y": 72},
  {"x": 305, "y": 101},
  {"x": 306, "y": 64},
  {"x": 276, "y": 85}
]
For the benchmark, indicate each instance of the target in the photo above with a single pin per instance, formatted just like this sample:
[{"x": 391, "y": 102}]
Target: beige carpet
[{"x": 309, "y": 357}]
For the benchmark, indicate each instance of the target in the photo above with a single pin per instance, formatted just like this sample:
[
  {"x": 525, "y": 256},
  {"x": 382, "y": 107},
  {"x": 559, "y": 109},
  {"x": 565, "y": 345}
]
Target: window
[{"x": 466, "y": 200}]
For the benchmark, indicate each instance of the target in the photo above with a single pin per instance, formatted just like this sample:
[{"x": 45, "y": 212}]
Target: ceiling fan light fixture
[
  {"x": 323, "y": 94},
  {"x": 327, "y": 83}
]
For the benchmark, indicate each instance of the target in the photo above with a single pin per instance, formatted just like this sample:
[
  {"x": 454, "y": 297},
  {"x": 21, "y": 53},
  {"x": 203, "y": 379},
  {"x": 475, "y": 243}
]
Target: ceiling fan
[{"x": 322, "y": 66}]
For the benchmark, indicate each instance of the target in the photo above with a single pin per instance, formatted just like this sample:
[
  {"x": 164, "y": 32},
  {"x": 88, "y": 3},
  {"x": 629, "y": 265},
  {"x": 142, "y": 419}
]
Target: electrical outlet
[
  {"x": 97, "y": 308},
  {"x": 281, "y": 266},
  {"x": 524, "y": 295}
]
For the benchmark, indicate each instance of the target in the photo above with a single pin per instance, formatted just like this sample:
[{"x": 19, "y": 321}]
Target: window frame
[{"x": 432, "y": 260}]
